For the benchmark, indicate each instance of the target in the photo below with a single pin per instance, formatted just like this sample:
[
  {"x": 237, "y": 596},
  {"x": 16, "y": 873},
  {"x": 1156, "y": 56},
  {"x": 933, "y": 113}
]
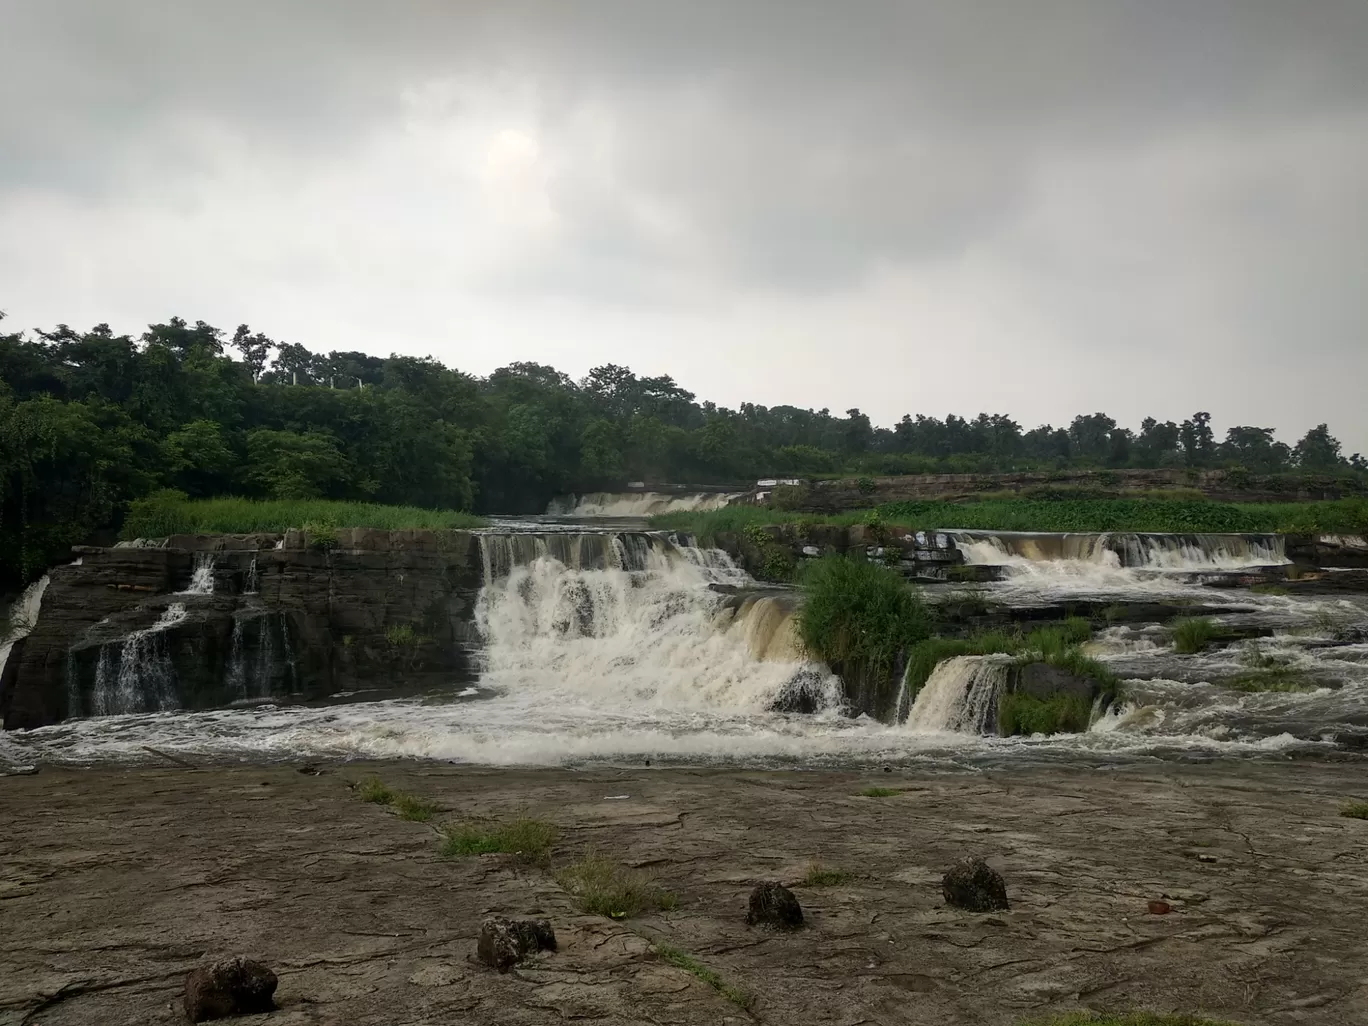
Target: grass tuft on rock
[
  {"x": 879, "y": 792},
  {"x": 603, "y": 887},
  {"x": 819, "y": 875},
  {"x": 375, "y": 791},
  {"x": 1355, "y": 810},
  {"x": 528, "y": 840},
  {"x": 1192, "y": 634},
  {"x": 683, "y": 960},
  {"x": 1273, "y": 678},
  {"x": 411, "y": 807}
]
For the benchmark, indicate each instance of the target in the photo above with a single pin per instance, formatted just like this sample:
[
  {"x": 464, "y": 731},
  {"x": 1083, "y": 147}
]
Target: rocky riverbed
[{"x": 114, "y": 883}]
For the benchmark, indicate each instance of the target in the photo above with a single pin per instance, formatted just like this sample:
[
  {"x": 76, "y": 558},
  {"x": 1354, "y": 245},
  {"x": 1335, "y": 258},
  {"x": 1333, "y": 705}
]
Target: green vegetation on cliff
[
  {"x": 166, "y": 513},
  {"x": 1344, "y": 516}
]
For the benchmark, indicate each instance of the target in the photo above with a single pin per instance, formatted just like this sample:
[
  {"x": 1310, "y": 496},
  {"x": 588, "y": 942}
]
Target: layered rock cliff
[{"x": 199, "y": 622}]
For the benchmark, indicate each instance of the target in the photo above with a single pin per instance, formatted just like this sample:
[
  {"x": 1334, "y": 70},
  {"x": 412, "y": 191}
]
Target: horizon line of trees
[{"x": 90, "y": 420}]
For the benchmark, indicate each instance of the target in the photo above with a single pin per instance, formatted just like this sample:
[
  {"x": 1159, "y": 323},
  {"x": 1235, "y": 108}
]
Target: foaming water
[
  {"x": 637, "y": 504},
  {"x": 622, "y": 645}
]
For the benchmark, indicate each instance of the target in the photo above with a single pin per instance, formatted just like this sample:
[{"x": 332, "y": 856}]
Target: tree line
[{"x": 90, "y": 420}]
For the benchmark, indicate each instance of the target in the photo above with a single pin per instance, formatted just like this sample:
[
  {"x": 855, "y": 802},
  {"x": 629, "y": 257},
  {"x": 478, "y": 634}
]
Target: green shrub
[
  {"x": 1192, "y": 634},
  {"x": 859, "y": 615},
  {"x": 1272, "y": 678},
  {"x": 529, "y": 840},
  {"x": 1355, "y": 810},
  {"x": 1020, "y": 714},
  {"x": 322, "y": 535},
  {"x": 683, "y": 960},
  {"x": 880, "y": 792},
  {"x": 602, "y": 887},
  {"x": 776, "y": 561}
]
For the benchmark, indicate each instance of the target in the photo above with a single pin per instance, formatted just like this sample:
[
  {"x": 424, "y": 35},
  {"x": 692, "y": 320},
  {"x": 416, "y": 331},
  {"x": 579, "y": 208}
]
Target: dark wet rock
[
  {"x": 292, "y": 620},
  {"x": 235, "y": 986},
  {"x": 804, "y": 692},
  {"x": 506, "y": 942},
  {"x": 1041, "y": 680},
  {"x": 774, "y": 906},
  {"x": 975, "y": 886}
]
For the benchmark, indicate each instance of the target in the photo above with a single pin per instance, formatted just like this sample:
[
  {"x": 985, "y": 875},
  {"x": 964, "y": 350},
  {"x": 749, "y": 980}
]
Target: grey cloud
[{"x": 1149, "y": 175}]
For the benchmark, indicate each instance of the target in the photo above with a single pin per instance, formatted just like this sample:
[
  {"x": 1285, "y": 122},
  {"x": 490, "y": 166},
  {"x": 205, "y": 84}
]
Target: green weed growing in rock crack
[{"x": 683, "y": 960}]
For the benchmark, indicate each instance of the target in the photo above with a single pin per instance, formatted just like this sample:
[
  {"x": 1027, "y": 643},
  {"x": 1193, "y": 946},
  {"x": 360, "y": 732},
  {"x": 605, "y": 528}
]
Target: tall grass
[
  {"x": 168, "y": 513},
  {"x": 1182, "y": 516},
  {"x": 859, "y": 615}
]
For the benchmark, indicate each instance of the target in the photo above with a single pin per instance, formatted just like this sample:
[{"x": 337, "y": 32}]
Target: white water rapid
[
  {"x": 638, "y": 504},
  {"x": 202, "y": 578}
]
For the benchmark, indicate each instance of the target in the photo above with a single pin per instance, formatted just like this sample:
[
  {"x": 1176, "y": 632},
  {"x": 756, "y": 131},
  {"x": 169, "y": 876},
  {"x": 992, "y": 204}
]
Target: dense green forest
[{"x": 90, "y": 421}]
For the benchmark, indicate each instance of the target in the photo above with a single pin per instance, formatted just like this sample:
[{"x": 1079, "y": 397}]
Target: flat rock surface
[{"x": 114, "y": 883}]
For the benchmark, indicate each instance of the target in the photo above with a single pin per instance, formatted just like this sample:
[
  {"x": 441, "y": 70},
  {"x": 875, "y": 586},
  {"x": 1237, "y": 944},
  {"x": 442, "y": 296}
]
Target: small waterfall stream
[
  {"x": 960, "y": 696},
  {"x": 138, "y": 676},
  {"x": 23, "y": 617}
]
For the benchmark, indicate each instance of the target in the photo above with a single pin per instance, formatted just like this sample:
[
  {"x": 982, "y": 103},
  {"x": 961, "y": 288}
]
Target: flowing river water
[{"x": 603, "y": 644}]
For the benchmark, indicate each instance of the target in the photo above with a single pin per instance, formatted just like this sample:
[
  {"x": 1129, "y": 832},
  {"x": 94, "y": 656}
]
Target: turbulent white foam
[
  {"x": 23, "y": 617},
  {"x": 615, "y": 640},
  {"x": 638, "y": 504},
  {"x": 960, "y": 696}
]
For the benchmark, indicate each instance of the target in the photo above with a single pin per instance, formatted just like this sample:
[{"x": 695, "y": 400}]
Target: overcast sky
[{"x": 1038, "y": 207}]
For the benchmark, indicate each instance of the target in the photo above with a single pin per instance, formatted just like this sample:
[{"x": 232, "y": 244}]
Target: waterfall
[
  {"x": 141, "y": 677},
  {"x": 252, "y": 581},
  {"x": 637, "y": 504},
  {"x": 202, "y": 578},
  {"x": 1024, "y": 551},
  {"x": 23, "y": 617},
  {"x": 620, "y": 620},
  {"x": 961, "y": 696}
]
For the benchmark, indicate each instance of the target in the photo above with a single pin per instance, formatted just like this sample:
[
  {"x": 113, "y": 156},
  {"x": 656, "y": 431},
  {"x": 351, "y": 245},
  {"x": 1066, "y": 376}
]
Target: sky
[{"x": 1144, "y": 207}]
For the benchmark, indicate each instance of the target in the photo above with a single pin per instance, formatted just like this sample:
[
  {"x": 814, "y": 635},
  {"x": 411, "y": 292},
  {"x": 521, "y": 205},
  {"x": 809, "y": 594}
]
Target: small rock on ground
[
  {"x": 975, "y": 886},
  {"x": 234, "y": 986},
  {"x": 775, "y": 906},
  {"x": 506, "y": 942}
]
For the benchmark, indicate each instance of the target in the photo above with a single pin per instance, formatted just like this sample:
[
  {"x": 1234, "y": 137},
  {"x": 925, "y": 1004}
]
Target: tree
[
  {"x": 1090, "y": 437},
  {"x": 255, "y": 350},
  {"x": 296, "y": 465},
  {"x": 1198, "y": 441},
  {"x": 1319, "y": 450}
]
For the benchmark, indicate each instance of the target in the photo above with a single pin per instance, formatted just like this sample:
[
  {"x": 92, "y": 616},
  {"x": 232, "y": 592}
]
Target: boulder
[
  {"x": 506, "y": 942},
  {"x": 973, "y": 885},
  {"x": 235, "y": 986},
  {"x": 774, "y": 906}
]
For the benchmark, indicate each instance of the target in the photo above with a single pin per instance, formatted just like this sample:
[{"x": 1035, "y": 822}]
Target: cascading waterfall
[
  {"x": 611, "y": 621},
  {"x": 252, "y": 581},
  {"x": 140, "y": 677},
  {"x": 202, "y": 578},
  {"x": 960, "y": 696},
  {"x": 1123, "y": 550},
  {"x": 637, "y": 504},
  {"x": 23, "y": 618}
]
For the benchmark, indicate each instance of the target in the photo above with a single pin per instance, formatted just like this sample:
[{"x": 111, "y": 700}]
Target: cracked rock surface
[{"x": 115, "y": 883}]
